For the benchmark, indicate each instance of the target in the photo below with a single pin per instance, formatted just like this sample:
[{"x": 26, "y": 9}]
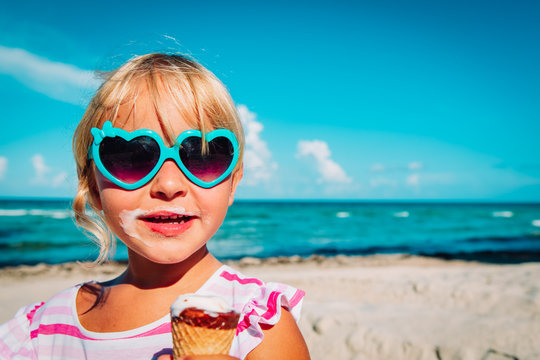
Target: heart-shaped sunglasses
[{"x": 131, "y": 159}]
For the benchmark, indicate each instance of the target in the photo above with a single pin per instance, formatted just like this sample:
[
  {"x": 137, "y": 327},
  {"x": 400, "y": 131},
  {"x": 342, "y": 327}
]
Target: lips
[
  {"x": 166, "y": 223},
  {"x": 173, "y": 219}
]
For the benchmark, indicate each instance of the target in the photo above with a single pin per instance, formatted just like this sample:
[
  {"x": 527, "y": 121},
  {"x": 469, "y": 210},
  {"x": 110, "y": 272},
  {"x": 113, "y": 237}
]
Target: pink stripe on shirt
[
  {"x": 245, "y": 323},
  {"x": 70, "y": 330},
  {"x": 58, "y": 329},
  {"x": 74, "y": 350},
  {"x": 7, "y": 353},
  {"x": 233, "y": 277},
  {"x": 31, "y": 314},
  {"x": 161, "y": 329},
  {"x": 16, "y": 331},
  {"x": 298, "y": 295},
  {"x": 59, "y": 310},
  {"x": 271, "y": 305}
]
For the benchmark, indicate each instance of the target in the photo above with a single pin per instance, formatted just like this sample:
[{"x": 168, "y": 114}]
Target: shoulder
[
  {"x": 281, "y": 341},
  {"x": 17, "y": 334},
  {"x": 243, "y": 291},
  {"x": 58, "y": 309},
  {"x": 261, "y": 305}
]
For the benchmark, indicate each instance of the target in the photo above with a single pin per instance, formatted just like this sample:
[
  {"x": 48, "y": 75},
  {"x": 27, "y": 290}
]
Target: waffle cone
[{"x": 196, "y": 340}]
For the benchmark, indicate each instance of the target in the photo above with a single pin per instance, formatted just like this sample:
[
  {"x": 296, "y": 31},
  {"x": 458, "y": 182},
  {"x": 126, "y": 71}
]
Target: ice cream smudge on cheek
[{"x": 128, "y": 220}]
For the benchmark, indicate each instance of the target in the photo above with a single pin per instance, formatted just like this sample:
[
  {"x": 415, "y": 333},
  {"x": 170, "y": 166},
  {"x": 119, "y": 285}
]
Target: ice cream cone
[{"x": 200, "y": 331}]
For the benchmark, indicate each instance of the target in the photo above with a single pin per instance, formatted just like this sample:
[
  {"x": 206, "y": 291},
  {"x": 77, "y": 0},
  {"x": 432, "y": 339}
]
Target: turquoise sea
[{"x": 34, "y": 231}]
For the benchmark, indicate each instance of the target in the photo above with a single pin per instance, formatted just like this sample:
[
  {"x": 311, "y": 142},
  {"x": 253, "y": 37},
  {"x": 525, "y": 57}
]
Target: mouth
[
  {"x": 170, "y": 219},
  {"x": 167, "y": 223}
]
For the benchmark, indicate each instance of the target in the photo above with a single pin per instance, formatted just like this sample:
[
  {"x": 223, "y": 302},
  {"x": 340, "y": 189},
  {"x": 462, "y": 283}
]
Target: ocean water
[{"x": 34, "y": 231}]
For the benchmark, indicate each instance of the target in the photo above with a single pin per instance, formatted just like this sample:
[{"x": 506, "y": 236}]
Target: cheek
[
  {"x": 113, "y": 203},
  {"x": 112, "y": 197},
  {"x": 216, "y": 202}
]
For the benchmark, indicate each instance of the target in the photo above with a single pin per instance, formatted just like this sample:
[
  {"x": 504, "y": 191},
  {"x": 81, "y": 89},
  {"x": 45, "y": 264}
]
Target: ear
[{"x": 236, "y": 176}]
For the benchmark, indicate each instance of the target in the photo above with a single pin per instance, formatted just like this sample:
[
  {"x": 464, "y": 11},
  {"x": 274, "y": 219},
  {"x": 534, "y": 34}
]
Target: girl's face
[{"x": 170, "y": 218}]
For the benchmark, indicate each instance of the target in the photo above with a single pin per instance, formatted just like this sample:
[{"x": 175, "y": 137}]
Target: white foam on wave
[
  {"x": 343, "y": 214},
  {"x": 61, "y": 214},
  {"x": 15, "y": 212},
  {"x": 38, "y": 212},
  {"x": 503, "y": 214},
  {"x": 55, "y": 214},
  {"x": 401, "y": 214},
  {"x": 536, "y": 223}
]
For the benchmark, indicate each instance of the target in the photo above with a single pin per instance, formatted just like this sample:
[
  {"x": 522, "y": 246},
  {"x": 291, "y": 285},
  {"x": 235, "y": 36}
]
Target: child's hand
[{"x": 199, "y": 357}]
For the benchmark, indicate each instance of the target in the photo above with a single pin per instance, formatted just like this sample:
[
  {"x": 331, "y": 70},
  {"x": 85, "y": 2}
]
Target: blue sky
[{"x": 340, "y": 100}]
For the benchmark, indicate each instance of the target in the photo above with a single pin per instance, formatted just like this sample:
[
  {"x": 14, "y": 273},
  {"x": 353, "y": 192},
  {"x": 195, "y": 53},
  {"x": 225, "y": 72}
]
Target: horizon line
[{"x": 323, "y": 200}]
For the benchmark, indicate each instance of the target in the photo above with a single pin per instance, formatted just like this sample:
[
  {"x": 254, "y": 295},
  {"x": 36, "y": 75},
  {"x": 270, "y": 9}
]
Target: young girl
[{"x": 159, "y": 157}]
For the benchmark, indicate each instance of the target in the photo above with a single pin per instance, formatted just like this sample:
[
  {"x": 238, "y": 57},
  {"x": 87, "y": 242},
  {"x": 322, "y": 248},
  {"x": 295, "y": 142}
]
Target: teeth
[
  {"x": 178, "y": 222},
  {"x": 175, "y": 219}
]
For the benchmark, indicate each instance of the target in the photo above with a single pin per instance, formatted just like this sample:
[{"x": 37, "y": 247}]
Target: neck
[{"x": 189, "y": 274}]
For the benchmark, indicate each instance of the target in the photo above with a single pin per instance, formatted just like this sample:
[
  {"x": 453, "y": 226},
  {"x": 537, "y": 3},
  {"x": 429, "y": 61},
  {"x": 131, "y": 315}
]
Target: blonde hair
[{"x": 201, "y": 99}]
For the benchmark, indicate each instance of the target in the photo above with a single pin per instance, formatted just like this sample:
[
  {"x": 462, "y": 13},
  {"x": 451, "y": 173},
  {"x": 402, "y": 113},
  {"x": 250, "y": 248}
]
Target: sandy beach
[{"x": 374, "y": 307}]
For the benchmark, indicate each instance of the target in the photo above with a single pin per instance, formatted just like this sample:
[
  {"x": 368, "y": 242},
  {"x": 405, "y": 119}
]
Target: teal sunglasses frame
[{"x": 166, "y": 153}]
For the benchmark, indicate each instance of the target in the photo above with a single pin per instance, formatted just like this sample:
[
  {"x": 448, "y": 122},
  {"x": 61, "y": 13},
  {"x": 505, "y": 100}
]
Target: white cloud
[
  {"x": 3, "y": 166},
  {"x": 412, "y": 166},
  {"x": 377, "y": 167},
  {"x": 44, "y": 175},
  {"x": 382, "y": 181},
  {"x": 258, "y": 164},
  {"x": 413, "y": 179},
  {"x": 329, "y": 170},
  {"x": 40, "y": 169},
  {"x": 415, "y": 165},
  {"x": 439, "y": 178},
  {"x": 59, "y": 179},
  {"x": 57, "y": 80}
]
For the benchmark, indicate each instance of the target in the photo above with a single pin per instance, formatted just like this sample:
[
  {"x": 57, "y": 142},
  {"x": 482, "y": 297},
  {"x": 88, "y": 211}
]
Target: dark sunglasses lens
[
  {"x": 210, "y": 165},
  {"x": 129, "y": 161}
]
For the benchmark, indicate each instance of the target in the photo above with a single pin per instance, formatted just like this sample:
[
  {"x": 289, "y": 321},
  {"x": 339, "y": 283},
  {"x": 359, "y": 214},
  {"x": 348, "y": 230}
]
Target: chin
[
  {"x": 167, "y": 258},
  {"x": 169, "y": 255}
]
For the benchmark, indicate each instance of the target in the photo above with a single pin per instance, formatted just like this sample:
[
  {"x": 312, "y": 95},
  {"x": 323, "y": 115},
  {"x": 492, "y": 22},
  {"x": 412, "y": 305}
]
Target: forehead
[
  {"x": 143, "y": 112},
  {"x": 157, "y": 111},
  {"x": 168, "y": 107}
]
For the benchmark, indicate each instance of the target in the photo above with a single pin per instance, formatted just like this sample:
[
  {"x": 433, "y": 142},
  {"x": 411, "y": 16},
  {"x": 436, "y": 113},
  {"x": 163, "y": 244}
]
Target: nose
[{"x": 169, "y": 182}]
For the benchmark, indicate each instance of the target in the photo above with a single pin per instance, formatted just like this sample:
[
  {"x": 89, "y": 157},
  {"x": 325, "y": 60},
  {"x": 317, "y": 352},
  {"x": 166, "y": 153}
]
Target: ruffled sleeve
[
  {"x": 264, "y": 308},
  {"x": 15, "y": 341}
]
